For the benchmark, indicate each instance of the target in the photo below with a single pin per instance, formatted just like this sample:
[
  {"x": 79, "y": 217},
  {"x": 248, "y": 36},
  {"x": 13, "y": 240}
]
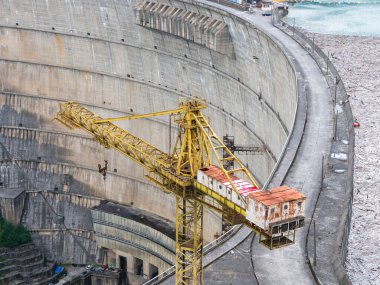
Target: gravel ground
[{"x": 358, "y": 62}]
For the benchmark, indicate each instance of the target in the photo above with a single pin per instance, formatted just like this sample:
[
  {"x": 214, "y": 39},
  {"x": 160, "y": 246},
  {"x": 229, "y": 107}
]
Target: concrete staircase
[{"x": 24, "y": 265}]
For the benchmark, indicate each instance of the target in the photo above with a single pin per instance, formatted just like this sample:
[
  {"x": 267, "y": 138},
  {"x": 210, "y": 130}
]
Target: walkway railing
[
  {"x": 337, "y": 91},
  {"x": 207, "y": 248}
]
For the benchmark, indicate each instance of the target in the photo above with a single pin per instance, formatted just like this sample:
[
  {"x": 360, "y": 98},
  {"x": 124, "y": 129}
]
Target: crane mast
[{"x": 195, "y": 148}]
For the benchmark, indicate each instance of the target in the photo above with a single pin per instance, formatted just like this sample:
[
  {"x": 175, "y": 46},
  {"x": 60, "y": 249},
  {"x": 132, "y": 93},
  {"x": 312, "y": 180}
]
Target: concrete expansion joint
[
  {"x": 148, "y": 82},
  {"x": 133, "y": 231},
  {"x": 112, "y": 75},
  {"x": 73, "y": 198},
  {"x": 77, "y": 231},
  {"x": 135, "y": 245},
  {"x": 8, "y": 131},
  {"x": 67, "y": 168},
  {"x": 235, "y": 79},
  {"x": 116, "y": 42},
  {"x": 154, "y": 49},
  {"x": 242, "y": 123}
]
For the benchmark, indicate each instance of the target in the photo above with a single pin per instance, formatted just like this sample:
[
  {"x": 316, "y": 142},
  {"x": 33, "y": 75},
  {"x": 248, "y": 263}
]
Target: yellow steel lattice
[
  {"x": 217, "y": 147},
  {"x": 74, "y": 115},
  {"x": 176, "y": 173}
]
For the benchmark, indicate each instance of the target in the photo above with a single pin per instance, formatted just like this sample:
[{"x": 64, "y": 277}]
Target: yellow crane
[{"x": 195, "y": 148}]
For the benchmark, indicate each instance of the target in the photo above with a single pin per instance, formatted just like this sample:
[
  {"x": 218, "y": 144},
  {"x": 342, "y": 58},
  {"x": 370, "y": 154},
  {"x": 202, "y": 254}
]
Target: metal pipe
[
  {"x": 170, "y": 135},
  {"x": 323, "y": 170},
  {"x": 335, "y": 125},
  {"x": 327, "y": 62},
  {"x": 315, "y": 246},
  {"x": 294, "y": 24},
  {"x": 336, "y": 87}
]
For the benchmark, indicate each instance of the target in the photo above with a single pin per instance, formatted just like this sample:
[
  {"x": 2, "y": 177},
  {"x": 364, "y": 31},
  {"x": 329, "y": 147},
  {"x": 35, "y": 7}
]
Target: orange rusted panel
[
  {"x": 277, "y": 205},
  {"x": 276, "y": 195},
  {"x": 264, "y": 208}
]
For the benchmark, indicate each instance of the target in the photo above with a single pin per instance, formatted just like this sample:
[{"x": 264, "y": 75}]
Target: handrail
[
  {"x": 324, "y": 61},
  {"x": 207, "y": 248}
]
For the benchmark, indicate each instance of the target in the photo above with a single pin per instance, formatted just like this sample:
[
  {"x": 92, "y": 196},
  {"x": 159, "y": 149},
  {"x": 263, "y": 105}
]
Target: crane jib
[{"x": 188, "y": 173}]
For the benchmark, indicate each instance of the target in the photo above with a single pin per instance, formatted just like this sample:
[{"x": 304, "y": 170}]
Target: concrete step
[
  {"x": 24, "y": 265},
  {"x": 24, "y": 247},
  {"x": 25, "y": 260},
  {"x": 5, "y": 263},
  {"x": 44, "y": 281},
  {"x": 11, "y": 276},
  {"x": 17, "y": 282},
  {"x": 6, "y": 269},
  {"x": 37, "y": 274},
  {"x": 19, "y": 253},
  {"x": 19, "y": 248},
  {"x": 3, "y": 250},
  {"x": 32, "y": 265}
]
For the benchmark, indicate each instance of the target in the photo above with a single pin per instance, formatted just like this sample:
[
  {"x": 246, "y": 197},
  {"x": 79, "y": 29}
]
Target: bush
[{"x": 11, "y": 236}]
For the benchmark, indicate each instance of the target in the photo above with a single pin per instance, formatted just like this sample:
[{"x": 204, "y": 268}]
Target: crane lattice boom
[{"x": 189, "y": 174}]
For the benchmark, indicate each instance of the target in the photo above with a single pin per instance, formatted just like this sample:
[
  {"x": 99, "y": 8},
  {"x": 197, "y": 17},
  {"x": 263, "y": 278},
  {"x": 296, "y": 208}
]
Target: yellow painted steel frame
[
  {"x": 189, "y": 241},
  {"x": 74, "y": 115},
  {"x": 176, "y": 174},
  {"x": 220, "y": 199},
  {"x": 190, "y": 153},
  {"x": 217, "y": 147},
  {"x": 277, "y": 242},
  {"x": 191, "y": 150}
]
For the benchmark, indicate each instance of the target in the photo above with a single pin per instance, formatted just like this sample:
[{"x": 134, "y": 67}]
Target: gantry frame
[{"x": 195, "y": 146}]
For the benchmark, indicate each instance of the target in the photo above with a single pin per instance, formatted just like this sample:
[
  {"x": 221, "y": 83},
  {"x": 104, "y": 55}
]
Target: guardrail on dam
[
  {"x": 337, "y": 176},
  {"x": 95, "y": 54}
]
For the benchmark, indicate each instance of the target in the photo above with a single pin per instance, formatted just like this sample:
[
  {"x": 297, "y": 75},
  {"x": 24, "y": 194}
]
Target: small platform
[
  {"x": 12, "y": 203},
  {"x": 11, "y": 193}
]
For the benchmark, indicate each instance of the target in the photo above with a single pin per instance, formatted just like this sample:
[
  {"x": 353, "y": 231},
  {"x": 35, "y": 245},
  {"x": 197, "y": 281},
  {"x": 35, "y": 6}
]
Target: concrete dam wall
[{"x": 100, "y": 55}]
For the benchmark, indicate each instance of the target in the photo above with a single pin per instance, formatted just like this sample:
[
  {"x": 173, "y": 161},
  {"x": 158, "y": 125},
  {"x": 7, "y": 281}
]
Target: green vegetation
[
  {"x": 1, "y": 266},
  {"x": 11, "y": 236}
]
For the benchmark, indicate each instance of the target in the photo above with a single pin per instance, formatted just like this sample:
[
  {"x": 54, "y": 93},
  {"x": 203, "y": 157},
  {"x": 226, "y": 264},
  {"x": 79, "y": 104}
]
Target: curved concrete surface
[
  {"x": 290, "y": 265},
  {"x": 287, "y": 265},
  {"x": 95, "y": 54}
]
